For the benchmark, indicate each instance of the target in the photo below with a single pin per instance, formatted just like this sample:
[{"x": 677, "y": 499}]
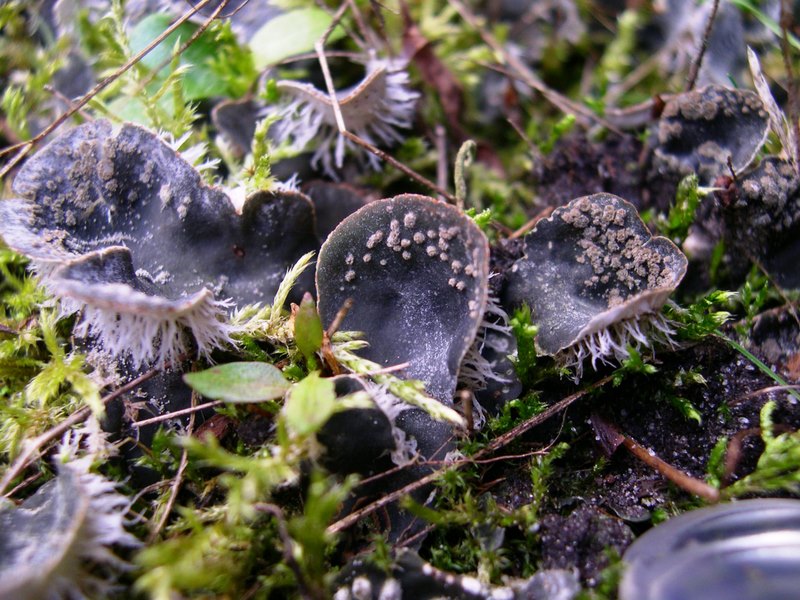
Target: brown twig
[
  {"x": 558, "y": 100},
  {"x": 192, "y": 39},
  {"x": 766, "y": 390},
  {"x": 694, "y": 71},
  {"x": 319, "y": 48},
  {"x": 178, "y": 479},
  {"x": 424, "y": 181},
  {"x": 611, "y": 434},
  {"x": 67, "y": 101},
  {"x": 178, "y": 413},
  {"x": 466, "y": 408},
  {"x": 733, "y": 453},
  {"x": 339, "y": 317},
  {"x": 499, "y": 442},
  {"x": 24, "y": 147},
  {"x": 288, "y": 550},
  {"x": 542, "y": 214},
  {"x": 731, "y": 169},
  {"x": 32, "y": 448},
  {"x": 440, "y": 137}
]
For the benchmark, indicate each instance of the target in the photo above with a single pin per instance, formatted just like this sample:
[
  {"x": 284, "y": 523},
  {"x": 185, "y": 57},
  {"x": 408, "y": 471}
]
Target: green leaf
[
  {"x": 218, "y": 66},
  {"x": 311, "y": 402},
  {"x": 291, "y": 33},
  {"x": 307, "y": 327},
  {"x": 682, "y": 213},
  {"x": 239, "y": 382}
]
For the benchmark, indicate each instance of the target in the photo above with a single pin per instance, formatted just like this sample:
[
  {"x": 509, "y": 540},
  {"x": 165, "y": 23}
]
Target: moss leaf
[{"x": 307, "y": 327}]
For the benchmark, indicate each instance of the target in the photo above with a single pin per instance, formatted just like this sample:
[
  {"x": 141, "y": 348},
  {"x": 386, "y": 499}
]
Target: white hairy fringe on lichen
[
  {"x": 384, "y": 104},
  {"x": 475, "y": 369},
  {"x": 154, "y": 338},
  {"x": 104, "y": 521},
  {"x": 644, "y": 331},
  {"x": 405, "y": 448},
  {"x": 194, "y": 155}
]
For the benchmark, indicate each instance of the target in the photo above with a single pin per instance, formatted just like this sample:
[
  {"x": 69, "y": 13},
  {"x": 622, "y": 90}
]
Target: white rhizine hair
[
  {"x": 643, "y": 331},
  {"x": 373, "y": 110}
]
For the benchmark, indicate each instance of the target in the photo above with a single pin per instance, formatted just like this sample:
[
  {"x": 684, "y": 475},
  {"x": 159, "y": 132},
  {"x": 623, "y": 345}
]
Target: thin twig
[
  {"x": 399, "y": 166},
  {"x": 466, "y": 409},
  {"x": 440, "y": 137},
  {"x": 695, "y": 69},
  {"x": 733, "y": 452},
  {"x": 766, "y": 390},
  {"x": 319, "y": 48},
  {"x": 178, "y": 479},
  {"x": 339, "y": 317},
  {"x": 386, "y": 370},
  {"x": 177, "y": 413},
  {"x": 32, "y": 448},
  {"x": 558, "y": 100},
  {"x": 288, "y": 548},
  {"x": 67, "y": 101},
  {"x": 613, "y": 438},
  {"x": 23, "y": 484},
  {"x": 542, "y": 214},
  {"x": 494, "y": 446},
  {"x": 25, "y": 147},
  {"x": 676, "y": 476},
  {"x": 192, "y": 39},
  {"x": 729, "y": 161}
]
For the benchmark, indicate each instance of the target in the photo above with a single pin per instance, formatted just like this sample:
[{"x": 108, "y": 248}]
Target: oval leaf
[
  {"x": 310, "y": 404},
  {"x": 239, "y": 382},
  {"x": 291, "y": 33}
]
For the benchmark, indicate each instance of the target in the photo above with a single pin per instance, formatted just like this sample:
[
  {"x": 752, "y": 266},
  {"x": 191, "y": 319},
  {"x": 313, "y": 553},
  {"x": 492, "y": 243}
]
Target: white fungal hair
[
  {"x": 405, "y": 448},
  {"x": 149, "y": 329},
  {"x": 644, "y": 331},
  {"x": 88, "y": 567},
  {"x": 373, "y": 110},
  {"x": 476, "y": 370}
]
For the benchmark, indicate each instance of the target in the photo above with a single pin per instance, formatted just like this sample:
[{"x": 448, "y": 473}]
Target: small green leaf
[
  {"x": 239, "y": 382},
  {"x": 291, "y": 33},
  {"x": 311, "y": 402},
  {"x": 218, "y": 66},
  {"x": 307, "y": 327}
]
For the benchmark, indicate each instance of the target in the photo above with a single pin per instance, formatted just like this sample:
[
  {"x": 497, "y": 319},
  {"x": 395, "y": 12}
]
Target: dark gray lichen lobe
[
  {"x": 615, "y": 247},
  {"x": 762, "y": 220},
  {"x": 416, "y": 270},
  {"x": 590, "y": 267},
  {"x": 114, "y": 218},
  {"x": 699, "y": 130}
]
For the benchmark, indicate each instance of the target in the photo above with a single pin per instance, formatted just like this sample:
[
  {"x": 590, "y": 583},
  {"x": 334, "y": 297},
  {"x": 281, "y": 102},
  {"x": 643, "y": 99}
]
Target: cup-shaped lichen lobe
[
  {"x": 117, "y": 220},
  {"x": 275, "y": 230},
  {"x": 700, "y": 131},
  {"x": 37, "y": 538},
  {"x": 416, "y": 271},
  {"x": 96, "y": 187},
  {"x": 591, "y": 264},
  {"x": 762, "y": 219}
]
